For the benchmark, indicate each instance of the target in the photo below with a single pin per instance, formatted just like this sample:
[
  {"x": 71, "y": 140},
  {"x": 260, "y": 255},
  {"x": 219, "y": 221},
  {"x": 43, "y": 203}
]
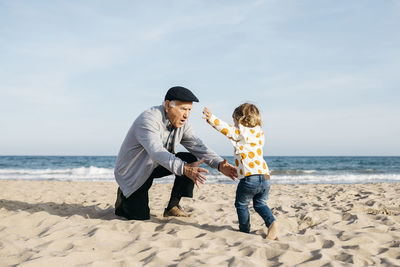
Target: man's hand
[
  {"x": 193, "y": 171},
  {"x": 228, "y": 170}
]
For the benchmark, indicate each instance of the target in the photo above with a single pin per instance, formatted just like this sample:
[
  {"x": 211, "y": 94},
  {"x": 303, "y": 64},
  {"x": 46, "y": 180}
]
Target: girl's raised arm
[{"x": 226, "y": 129}]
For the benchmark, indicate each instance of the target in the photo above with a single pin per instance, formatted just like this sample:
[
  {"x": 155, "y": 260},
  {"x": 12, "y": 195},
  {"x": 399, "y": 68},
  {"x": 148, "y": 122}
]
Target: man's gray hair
[{"x": 172, "y": 103}]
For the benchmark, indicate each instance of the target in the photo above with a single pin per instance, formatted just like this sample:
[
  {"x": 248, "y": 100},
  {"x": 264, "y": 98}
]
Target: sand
[{"x": 51, "y": 223}]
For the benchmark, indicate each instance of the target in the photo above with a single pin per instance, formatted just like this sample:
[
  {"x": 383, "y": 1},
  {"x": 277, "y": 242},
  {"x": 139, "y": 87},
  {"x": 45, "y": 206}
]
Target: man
[{"x": 148, "y": 152}]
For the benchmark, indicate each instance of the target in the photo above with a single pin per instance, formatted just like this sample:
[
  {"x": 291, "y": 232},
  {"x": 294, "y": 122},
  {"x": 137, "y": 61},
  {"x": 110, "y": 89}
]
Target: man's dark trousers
[{"x": 136, "y": 206}]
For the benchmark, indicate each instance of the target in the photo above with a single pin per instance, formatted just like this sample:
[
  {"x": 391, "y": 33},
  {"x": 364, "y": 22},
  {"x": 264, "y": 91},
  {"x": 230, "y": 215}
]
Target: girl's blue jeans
[{"x": 255, "y": 188}]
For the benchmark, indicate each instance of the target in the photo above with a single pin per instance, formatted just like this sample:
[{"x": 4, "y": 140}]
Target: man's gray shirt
[{"x": 144, "y": 149}]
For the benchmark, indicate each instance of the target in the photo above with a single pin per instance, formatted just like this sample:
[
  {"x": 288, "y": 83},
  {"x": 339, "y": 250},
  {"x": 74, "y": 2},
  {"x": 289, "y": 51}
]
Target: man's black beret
[{"x": 180, "y": 93}]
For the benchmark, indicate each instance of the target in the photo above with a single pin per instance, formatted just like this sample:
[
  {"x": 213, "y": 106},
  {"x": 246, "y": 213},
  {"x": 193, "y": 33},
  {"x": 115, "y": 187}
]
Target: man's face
[{"x": 178, "y": 114}]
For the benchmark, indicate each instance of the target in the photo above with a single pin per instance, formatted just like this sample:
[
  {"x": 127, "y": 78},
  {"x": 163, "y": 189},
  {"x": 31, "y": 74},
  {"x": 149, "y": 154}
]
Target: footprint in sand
[
  {"x": 395, "y": 244},
  {"x": 343, "y": 237},
  {"x": 349, "y": 217},
  {"x": 344, "y": 257},
  {"x": 328, "y": 244},
  {"x": 351, "y": 247},
  {"x": 370, "y": 202},
  {"x": 201, "y": 235}
]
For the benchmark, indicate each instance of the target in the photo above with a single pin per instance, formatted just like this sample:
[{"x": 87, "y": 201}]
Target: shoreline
[{"x": 71, "y": 223}]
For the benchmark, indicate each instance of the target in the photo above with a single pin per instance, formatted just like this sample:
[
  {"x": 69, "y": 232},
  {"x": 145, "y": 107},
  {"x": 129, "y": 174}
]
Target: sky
[{"x": 74, "y": 75}]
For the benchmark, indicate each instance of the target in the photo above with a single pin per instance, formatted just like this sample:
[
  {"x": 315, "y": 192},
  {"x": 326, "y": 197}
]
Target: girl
[{"x": 247, "y": 138}]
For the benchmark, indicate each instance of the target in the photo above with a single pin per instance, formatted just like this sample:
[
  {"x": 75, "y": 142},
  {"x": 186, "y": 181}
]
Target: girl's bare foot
[{"x": 273, "y": 231}]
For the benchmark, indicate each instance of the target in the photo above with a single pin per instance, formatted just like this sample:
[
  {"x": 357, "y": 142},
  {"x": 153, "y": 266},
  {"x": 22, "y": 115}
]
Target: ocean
[{"x": 285, "y": 170}]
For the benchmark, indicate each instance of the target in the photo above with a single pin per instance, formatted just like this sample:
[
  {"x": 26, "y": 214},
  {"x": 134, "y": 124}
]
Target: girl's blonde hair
[{"x": 248, "y": 115}]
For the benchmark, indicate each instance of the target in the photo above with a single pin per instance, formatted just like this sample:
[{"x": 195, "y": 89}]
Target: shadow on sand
[{"x": 95, "y": 212}]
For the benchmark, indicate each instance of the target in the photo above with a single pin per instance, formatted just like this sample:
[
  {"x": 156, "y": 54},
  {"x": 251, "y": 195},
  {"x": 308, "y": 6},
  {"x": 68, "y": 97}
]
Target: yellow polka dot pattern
[{"x": 248, "y": 144}]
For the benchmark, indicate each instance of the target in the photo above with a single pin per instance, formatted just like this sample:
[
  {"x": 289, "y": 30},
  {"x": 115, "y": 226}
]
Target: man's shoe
[{"x": 176, "y": 211}]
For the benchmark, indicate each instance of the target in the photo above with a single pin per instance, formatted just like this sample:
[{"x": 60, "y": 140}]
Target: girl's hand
[{"x": 207, "y": 113}]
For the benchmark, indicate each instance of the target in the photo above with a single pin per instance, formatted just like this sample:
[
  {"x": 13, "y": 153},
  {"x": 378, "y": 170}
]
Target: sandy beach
[{"x": 50, "y": 223}]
